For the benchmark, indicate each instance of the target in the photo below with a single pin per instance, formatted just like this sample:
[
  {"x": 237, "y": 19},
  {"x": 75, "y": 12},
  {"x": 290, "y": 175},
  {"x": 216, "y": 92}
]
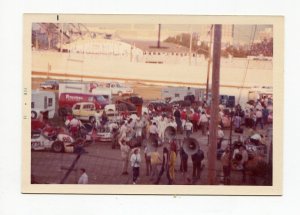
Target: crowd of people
[{"x": 149, "y": 132}]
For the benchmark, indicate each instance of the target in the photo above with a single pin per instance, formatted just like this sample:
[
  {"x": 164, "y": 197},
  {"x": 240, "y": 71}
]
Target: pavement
[{"x": 104, "y": 166}]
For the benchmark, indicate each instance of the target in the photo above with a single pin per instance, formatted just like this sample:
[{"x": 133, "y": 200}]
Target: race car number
[
  {"x": 66, "y": 139},
  {"x": 35, "y": 144}
]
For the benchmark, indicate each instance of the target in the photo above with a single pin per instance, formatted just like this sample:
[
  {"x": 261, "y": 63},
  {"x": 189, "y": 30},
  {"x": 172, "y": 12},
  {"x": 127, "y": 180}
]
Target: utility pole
[
  {"x": 209, "y": 61},
  {"x": 158, "y": 39},
  {"x": 214, "y": 112},
  {"x": 61, "y": 36},
  {"x": 191, "y": 42}
]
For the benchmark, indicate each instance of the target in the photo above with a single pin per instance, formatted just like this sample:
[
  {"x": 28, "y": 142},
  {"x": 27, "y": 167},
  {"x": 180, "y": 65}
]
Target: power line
[{"x": 253, "y": 33}]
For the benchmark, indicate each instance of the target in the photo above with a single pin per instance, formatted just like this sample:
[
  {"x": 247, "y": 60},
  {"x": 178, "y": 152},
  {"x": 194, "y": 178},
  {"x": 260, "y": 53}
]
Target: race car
[{"x": 54, "y": 141}]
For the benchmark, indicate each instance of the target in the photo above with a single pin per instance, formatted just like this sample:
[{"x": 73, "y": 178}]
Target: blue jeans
[{"x": 135, "y": 173}]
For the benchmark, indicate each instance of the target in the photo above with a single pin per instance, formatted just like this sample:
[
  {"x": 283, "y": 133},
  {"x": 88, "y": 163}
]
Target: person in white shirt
[
  {"x": 135, "y": 160},
  {"x": 203, "y": 122},
  {"x": 139, "y": 127},
  {"x": 259, "y": 120},
  {"x": 172, "y": 123},
  {"x": 220, "y": 137},
  {"x": 84, "y": 179},
  {"x": 97, "y": 116},
  {"x": 74, "y": 126},
  {"x": 125, "y": 149},
  {"x": 162, "y": 124},
  {"x": 123, "y": 132},
  {"x": 188, "y": 128},
  {"x": 153, "y": 130},
  {"x": 244, "y": 161}
]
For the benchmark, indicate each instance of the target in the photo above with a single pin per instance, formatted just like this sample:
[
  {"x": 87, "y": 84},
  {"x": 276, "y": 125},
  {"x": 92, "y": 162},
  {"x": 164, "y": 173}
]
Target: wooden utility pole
[
  {"x": 158, "y": 39},
  {"x": 191, "y": 43},
  {"x": 214, "y": 109},
  {"x": 209, "y": 62},
  {"x": 61, "y": 36}
]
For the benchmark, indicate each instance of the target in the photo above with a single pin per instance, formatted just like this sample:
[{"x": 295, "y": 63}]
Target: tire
[
  {"x": 58, "y": 146},
  {"x": 33, "y": 114}
]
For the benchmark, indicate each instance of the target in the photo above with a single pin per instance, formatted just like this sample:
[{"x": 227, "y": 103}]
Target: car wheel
[{"x": 58, "y": 146}]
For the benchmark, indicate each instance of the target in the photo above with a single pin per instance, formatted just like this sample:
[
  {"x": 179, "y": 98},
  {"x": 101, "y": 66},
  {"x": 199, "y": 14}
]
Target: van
[
  {"x": 84, "y": 111},
  {"x": 67, "y": 100},
  {"x": 42, "y": 102}
]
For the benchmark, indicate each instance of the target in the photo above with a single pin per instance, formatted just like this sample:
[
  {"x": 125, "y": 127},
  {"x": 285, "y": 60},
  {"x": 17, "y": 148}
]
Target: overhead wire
[{"x": 253, "y": 33}]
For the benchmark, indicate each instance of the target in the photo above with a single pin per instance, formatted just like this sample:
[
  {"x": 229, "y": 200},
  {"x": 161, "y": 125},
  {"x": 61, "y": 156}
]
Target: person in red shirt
[
  {"x": 183, "y": 115},
  {"x": 195, "y": 119}
]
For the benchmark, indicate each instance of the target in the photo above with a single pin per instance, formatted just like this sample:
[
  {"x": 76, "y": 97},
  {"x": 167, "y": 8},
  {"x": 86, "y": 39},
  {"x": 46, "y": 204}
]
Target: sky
[{"x": 242, "y": 34}]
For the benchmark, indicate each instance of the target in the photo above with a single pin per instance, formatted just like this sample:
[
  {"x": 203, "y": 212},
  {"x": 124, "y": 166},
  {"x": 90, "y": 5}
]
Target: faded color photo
[{"x": 135, "y": 104}]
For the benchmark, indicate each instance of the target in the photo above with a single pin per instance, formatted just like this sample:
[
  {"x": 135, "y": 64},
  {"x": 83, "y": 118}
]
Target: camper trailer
[{"x": 42, "y": 102}]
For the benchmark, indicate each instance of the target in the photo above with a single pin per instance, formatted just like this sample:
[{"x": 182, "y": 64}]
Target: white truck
[
  {"x": 85, "y": 88},
  {"x": 117, "y": 89},
  {"x": 42, "y": 102}
]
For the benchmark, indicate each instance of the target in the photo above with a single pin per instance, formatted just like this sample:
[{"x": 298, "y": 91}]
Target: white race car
[{"x": 61, "y": 142}]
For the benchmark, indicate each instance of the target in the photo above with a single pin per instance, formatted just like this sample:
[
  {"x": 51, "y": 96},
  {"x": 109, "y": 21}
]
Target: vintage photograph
[{"x": 151, "y": 103}]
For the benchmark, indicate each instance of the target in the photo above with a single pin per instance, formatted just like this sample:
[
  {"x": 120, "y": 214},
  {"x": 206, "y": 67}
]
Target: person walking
[
  {"x": 195, "y": 119},
  {"x": 164, "y": 166},
  {"x": 147, "y": 155},
  {"x": 97, "y": 116},
  {"x": 83, "y": 179},
  {"x": 197, "y": 161},
  {"x": 225, "y": 159},
  {"x": 183, "y": 162},
  {"x": 139, "y": 124},
  {"x": 125, "y": 149},
  {"x": 135, "y": 160},
  {"x": 244, "y": 161},
  {"x": 155, "y": 161},
  {"x": 177, "y": 117},
  {"x": 188, "y": 128},
  {"x": 259, "y": 118},
  {"x": 172, "y": 162},
  {"x": 220, "y": 137},
  {"x": 203, "y": 122},
  {"x": 153, "y": 131},
  {"x": 162, "y": 124}
]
